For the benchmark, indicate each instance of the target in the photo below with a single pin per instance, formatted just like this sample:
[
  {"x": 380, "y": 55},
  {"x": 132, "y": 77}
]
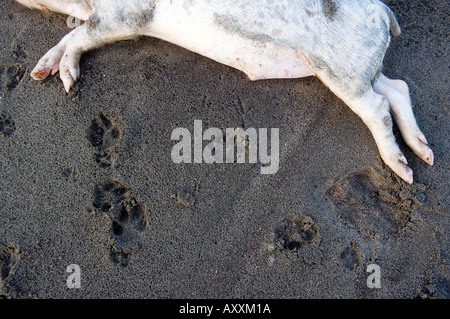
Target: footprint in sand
[
  {"x": 7, "y": 126},
  {"x": 104, "y": 133},
  {"x": 350, "y": 258},
  {"x": 372, "y": 204},
  {"x": 10, "y": 77},
  {"x": 297, "y": 235},
  {"x": 128, "y": 218}
]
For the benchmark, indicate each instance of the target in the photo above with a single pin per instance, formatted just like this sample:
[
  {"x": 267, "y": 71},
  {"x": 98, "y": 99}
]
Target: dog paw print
[
  {"x": 121, "y": 257},
  {"x": 128, "y": 218},
  {"x": 130, "y": 213},
  {"x": 104, "y": 133},
  {"x": 10, "y": 77},
  {"x": 295, "y": 233},
  {"x": 7, "y": 126},
  {"x": 296, "y": 236},
  {"x": 350, "y": 258},
  {"x": 19, "y": 53},
  {"x": 187, "y": 196}
]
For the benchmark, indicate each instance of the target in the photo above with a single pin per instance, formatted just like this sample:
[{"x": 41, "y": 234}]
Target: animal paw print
[
  {"x": 296, "y": 232},
  {"x": 7, "y": 126},
  {"x": 128, "y": 218},
  {"x": 104, "y": 134},
  {"x": 187, "y": 197},
  {"x": 10, "y": 77},
  {"x": 296, "y": 236},
  {"x": 350, "y": 257}
]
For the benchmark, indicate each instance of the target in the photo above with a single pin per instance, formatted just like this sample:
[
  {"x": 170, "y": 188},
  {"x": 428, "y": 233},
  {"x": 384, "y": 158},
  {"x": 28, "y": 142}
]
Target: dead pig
[{"x": 331, "y": 39}]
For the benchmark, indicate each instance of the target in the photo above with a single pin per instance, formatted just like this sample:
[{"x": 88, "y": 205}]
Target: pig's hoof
[
  {"x": 399, "y": 165},
  {"x": 424, "y": 152},
  {"x": 407, "y": 176},
  {"x": 68, "y": 80},
  {"x": 48, "y": 64},
  {"x": 41, "y": 72},
  {"x": 69, "y": 73},
  {"x": 418, "y": 143},
  {"x": 429, "y": 157}
]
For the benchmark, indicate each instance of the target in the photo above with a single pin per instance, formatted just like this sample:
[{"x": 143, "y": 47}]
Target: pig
[{"x": 341, "y": 42}]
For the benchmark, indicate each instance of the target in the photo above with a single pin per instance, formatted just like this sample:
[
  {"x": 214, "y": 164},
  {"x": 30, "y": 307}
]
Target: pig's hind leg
[
  {"x": 376, "y": 99},
  {"x": 373, "y": 109},
  {"x": 50, "y": 62},
  {"x": 397, "y": 92},
  {"x": 356, "y": 90}
]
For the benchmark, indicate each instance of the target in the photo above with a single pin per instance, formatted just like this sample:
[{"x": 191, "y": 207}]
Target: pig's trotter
[
  {"x": 49, "y": 63},
  {"x": 56, "y": 59},
  {"x": 373, "y": 109},
  {"x": 69, "y": 69},
  {"x": 65, "y": 56},
  {"x": 397, "y": 93}
]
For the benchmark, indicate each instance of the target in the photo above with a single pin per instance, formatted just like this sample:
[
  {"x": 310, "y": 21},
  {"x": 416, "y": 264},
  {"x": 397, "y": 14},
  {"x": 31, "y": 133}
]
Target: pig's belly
[{"x": 197, "y": 32}]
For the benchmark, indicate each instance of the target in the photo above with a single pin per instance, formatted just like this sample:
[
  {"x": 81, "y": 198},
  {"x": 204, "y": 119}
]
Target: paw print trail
[{"x": 129, "y": 218}]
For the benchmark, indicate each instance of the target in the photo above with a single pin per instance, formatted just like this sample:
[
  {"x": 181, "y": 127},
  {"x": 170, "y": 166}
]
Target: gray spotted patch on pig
[{"x": 330, "y": 8}]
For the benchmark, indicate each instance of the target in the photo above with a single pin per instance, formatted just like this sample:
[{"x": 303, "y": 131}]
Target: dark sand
[{"x": 87, "y": 178}]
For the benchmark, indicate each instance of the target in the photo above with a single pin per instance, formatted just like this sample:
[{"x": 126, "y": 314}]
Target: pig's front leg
[
  {"x": 65, "y": 57},
  {"x": 49, "y": 63},
  {"x": 69, "y": 66}
]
